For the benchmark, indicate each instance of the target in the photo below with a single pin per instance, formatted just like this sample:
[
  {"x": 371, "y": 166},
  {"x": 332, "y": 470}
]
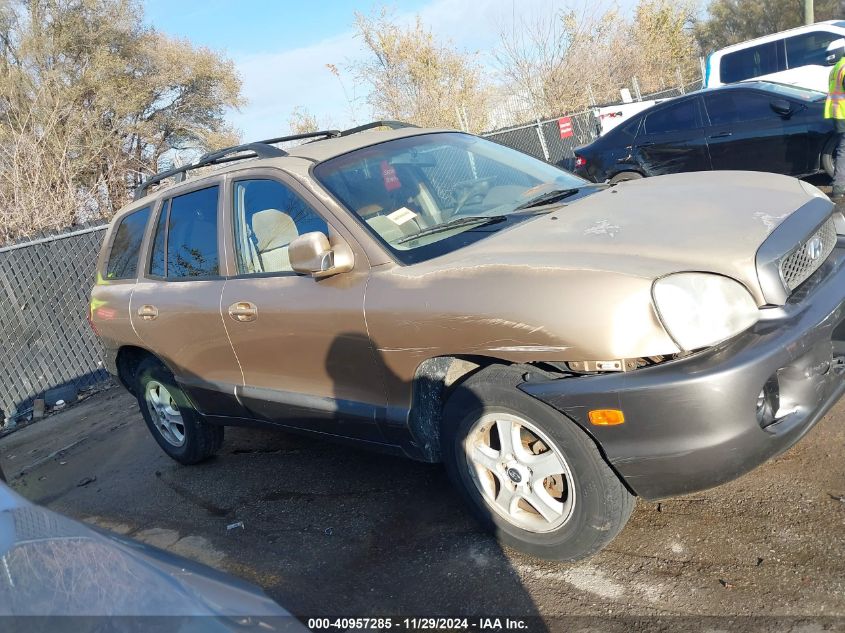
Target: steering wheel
[{"x": 471, "y": 188}]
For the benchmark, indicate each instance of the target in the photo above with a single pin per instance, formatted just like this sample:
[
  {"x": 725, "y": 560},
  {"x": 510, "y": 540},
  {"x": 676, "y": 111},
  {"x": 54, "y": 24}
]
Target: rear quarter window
[
  {"x": 126, "y": 246},
  {"x": 185, "y": 241}
]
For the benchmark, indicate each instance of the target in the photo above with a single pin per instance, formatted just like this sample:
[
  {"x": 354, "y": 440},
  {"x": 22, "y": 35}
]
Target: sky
[{"x": 281, "y": 47}]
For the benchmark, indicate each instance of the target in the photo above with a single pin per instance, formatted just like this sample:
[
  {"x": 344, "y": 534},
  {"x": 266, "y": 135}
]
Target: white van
[{"x": 796, "y": 56}]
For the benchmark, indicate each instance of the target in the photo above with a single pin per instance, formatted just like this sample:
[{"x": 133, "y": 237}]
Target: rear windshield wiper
[
  {"x": 548, "y": 198},
  {"x": 479, "y": 220}
]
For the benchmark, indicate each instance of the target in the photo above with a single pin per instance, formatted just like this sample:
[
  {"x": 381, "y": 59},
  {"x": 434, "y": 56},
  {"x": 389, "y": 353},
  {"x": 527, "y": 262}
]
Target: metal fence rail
[
  {"x": 543, "y": 139},
  {"x": 45, "y": 340}
]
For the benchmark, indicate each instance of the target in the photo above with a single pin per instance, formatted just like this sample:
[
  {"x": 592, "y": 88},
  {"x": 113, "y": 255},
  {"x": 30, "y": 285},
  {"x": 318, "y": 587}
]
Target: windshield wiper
[
  {"x": 548, "y": 198},
  {"x": 479, "y": 220}
]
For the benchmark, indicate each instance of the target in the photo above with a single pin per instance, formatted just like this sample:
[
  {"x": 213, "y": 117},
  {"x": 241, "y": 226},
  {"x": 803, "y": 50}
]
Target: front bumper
[{"x": 691, "y": 424}]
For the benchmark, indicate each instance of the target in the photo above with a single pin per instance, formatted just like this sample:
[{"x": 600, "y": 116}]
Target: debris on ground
[
  {"x": 725, "y": 584},
  {"x": 328, "y": 531},
  {"x": 85, "y": 481},
  {"x": 837, "y": 498},
  {"x": 234, "y": 526}
]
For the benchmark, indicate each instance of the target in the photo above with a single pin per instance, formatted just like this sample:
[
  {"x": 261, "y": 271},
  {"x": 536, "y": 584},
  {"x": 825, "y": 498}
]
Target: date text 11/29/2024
[{"x": 411, "y": 624}]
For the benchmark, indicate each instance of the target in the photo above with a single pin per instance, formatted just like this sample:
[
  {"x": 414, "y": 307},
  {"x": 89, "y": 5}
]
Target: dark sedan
[{"x": 757, "y": 126}]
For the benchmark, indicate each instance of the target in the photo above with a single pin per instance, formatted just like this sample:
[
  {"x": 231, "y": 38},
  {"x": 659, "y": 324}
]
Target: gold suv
[{"x": 561, "y": 346}]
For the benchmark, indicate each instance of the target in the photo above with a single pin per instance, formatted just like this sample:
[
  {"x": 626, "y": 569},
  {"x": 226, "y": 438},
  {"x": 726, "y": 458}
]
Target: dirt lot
[{"x": 330, "y": 530}]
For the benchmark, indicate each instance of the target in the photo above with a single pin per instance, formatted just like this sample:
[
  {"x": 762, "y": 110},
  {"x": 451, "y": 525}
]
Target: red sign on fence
[{"x": 564, "y": 124}]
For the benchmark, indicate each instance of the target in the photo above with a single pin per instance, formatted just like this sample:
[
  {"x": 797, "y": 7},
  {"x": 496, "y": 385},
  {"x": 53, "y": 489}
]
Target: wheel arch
[
  {"x": 434, "y": 380},
  {"x": 632, "y": 173},
  {"x": 128, "y": 358}
]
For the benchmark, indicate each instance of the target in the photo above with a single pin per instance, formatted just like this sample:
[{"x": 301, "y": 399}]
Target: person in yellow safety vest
[{"x": 834, "y": 108}]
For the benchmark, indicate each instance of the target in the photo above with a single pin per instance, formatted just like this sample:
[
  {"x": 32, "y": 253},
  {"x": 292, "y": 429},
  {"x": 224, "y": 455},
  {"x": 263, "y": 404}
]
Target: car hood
[
  {"x": 101, "y": 574},
  {"x": 706, "y": 221}
]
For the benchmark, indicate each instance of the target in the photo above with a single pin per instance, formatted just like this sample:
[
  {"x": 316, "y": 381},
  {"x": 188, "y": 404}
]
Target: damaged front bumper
[{"x": 694, "y": 423}]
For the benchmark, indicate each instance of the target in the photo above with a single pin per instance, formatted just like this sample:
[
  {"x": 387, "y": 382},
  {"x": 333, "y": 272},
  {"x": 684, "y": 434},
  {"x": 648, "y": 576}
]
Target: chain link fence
[
  {"x": 555, "y": 140},
  {"x": 45, "y": 339}
]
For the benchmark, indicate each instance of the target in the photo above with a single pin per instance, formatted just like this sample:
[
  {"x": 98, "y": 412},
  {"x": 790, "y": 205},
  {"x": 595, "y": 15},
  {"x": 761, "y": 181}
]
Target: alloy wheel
[
  {"x": 521, "y": 474},
  {"x": 165, "y": 413}
]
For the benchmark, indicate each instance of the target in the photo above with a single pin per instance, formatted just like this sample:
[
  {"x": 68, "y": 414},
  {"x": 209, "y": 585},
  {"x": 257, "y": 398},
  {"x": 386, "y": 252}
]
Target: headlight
[{"x": 701, "y": 309}]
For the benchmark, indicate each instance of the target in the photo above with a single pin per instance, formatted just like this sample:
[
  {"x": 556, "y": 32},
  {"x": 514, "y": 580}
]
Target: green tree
[{"x": 732, "y": 21}]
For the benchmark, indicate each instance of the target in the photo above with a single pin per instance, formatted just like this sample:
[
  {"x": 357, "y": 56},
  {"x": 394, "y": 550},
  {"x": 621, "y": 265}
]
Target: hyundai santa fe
[{"x": 561, "y": 346}]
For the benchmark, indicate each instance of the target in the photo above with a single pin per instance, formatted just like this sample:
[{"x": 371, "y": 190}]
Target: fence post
[
  {"x": 460, "y": 119},
  {"x": 680, "y": 77},
  {"x": 635, "y": 82},
  {"x": 542, "y": 138}
]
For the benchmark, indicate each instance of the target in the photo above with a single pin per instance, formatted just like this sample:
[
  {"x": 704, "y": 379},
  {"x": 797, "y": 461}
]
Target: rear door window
[
  {"x": 673, "y": 118},
  {"x": 753, "y": 61},
  {"x": 125, "y": 249},
  {"x": 735, "y": 106},
  {"x": 185, "y": 243},
  {"x": 809, "y": 48}
]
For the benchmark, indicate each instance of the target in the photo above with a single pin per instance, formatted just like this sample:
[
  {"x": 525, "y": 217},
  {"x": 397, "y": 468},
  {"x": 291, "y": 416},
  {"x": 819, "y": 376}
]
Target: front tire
[
  {"x": 180, "y": 430},
  {"x": 528, "y": 473}
]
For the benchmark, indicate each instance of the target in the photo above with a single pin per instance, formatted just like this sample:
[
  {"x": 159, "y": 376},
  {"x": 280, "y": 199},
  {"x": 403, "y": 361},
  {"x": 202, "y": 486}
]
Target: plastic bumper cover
[{"x": 692, "y": 423}]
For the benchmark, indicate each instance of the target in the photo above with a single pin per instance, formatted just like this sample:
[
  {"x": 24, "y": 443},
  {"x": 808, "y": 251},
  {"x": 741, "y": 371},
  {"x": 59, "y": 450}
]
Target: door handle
[
  {"x": 148, "y": 312},
  {"x": 243, "y": 311},
  {"x": 722, "y": 135}
]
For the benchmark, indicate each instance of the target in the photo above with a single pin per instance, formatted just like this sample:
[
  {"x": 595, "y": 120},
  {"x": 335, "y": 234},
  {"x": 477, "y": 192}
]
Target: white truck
[{"x": 796, "y": 56}]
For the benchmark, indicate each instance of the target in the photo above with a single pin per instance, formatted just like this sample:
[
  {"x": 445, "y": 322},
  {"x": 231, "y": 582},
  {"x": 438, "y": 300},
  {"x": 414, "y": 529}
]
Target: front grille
[{"x": 802, "y": 262}]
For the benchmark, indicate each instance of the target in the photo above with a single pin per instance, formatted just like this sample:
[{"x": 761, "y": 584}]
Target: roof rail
[
  {"x": 393, "y": 125},
  {"x": 258, "y": 149}
]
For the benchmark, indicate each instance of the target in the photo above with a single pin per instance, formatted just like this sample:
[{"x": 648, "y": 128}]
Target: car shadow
[{"x": 431, "y": 557}]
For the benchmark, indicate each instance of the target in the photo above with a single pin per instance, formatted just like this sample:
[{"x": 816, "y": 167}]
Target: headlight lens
[{"x": 702, "y": 309}]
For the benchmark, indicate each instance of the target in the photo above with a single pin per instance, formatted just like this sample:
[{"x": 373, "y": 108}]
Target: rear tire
[
  {"x": 622, "y": 176},
  {"x": 566, "y": 516},
  {"x": 180, "y": 430}
]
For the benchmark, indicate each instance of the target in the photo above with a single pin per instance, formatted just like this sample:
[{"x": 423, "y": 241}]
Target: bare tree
[
  {"x": 564, "y": 61},
  {"x": 90, "y": 99},
  {"x": 302, "y": 121},
  {"x": 414, "y": 77}
]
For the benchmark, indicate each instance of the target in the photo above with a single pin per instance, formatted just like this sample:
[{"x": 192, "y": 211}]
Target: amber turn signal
[{"x": 606, "y": 417}]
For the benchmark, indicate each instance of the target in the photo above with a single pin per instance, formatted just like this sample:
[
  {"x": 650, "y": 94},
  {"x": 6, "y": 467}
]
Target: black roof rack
[
  {"x": 259, "y": 149},
  {"x": 393, "y": 125}
]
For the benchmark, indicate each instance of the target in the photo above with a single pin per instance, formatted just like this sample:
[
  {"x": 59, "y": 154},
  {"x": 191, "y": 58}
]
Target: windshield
[{"x": 430, "y": 194}]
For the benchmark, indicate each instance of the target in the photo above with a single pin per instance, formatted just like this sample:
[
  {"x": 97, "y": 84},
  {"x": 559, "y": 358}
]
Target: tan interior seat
[{"x": 274, "y": 230}]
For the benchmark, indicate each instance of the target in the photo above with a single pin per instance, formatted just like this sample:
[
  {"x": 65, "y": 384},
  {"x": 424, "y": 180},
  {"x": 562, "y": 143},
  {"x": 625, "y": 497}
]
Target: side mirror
[
  {"x": 311, "y": 254},
  {"x": 781, "y": 107}
]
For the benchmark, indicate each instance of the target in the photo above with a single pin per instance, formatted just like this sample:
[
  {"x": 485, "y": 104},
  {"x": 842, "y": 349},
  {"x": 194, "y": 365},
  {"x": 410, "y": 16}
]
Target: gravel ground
[{"x": 330, "y": 530}]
